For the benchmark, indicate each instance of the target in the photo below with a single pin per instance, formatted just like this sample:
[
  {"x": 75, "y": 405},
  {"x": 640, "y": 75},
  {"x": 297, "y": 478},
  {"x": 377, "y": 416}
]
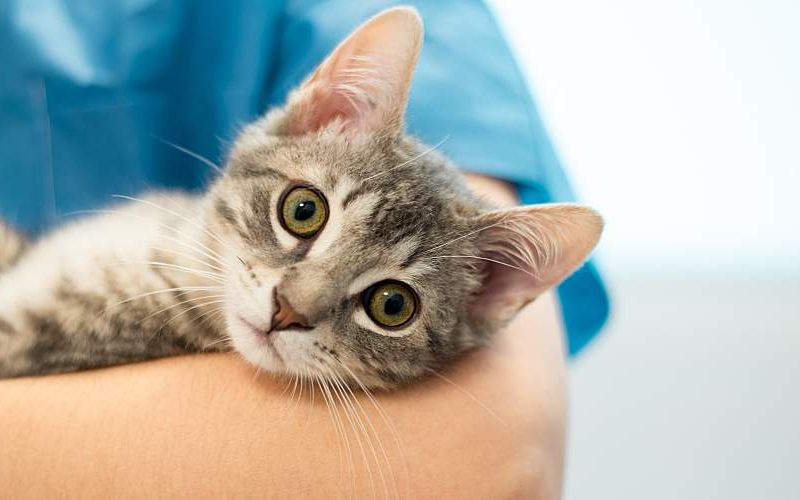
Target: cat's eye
[
  {"x": 303, "y": 211},
  {"x": 390, "y": 303}
]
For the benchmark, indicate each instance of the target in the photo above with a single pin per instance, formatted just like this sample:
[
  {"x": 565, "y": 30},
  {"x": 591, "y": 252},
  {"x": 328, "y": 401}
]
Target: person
[{"x": 116, "y": 98}]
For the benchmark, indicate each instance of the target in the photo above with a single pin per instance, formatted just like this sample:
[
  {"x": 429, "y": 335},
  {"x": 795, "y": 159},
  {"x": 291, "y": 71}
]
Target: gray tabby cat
[{"x": 332, "y": 244}]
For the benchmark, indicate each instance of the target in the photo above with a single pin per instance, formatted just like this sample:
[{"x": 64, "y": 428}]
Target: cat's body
[
  {"x": 331, "y": 246},
  {"x": 64, "y": 305}
]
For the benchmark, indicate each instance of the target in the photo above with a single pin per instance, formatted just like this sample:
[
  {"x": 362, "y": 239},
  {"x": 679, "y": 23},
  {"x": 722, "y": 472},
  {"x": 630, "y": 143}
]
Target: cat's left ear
[
  {"x": 365, "y": 81},
  {"x": 527, "y": 250}
]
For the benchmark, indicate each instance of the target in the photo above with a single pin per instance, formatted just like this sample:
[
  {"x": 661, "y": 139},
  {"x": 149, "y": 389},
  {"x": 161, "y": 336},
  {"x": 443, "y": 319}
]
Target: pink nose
[{"x": 286, "y": 317}]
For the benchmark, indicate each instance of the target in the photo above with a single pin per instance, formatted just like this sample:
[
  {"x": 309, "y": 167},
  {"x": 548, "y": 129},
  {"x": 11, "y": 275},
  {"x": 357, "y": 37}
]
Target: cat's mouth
[
  {"x": 267, "y": 333},
  {"x": 264, "y": 337},
  {"x": 263, "y": 334}
]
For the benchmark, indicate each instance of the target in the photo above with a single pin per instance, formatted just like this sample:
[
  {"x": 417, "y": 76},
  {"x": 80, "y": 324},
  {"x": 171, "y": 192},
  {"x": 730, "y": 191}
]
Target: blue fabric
[{"x": 90, "y": 90}]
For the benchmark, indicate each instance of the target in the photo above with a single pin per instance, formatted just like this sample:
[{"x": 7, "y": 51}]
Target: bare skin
[{"x": 206, "y": 427}]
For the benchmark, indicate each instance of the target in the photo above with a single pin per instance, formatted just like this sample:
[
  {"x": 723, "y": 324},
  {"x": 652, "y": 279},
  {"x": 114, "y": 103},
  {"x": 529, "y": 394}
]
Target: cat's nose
[{"x": 286, "y": 316}]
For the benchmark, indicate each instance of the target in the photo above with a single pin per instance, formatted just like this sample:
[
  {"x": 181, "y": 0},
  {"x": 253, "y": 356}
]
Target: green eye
[
  {"x": 303, "y": 211},
  {"x": 390, "y": 303}
]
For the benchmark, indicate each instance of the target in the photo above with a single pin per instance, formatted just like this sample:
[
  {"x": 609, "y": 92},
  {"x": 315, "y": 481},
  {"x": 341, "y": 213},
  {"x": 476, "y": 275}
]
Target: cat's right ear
[
  {"x": 524, "y": 251},
  {"x": 365, "y": 82}
]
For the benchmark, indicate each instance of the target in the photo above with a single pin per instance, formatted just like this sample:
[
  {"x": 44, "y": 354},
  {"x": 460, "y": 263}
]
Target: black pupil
[
  {"x": 394, "y": 304},
  {"x": 305, "y": 210}
]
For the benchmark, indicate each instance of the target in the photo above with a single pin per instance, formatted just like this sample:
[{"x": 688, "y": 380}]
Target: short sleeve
[{"x": 469, "y": 92}]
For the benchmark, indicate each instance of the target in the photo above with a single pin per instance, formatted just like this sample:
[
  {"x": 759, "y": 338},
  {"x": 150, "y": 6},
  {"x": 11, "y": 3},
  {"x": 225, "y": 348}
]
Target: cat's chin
[{"x": 256, "y": 346}]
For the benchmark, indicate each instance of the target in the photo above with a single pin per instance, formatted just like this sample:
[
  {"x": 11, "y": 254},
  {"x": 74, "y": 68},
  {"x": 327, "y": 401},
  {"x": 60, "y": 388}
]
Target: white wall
[{"x": 679, "y": 119}]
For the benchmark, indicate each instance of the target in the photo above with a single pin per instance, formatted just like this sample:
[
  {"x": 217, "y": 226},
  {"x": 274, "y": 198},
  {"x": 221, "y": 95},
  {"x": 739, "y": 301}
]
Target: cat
[{"x": 332, "y": 244}]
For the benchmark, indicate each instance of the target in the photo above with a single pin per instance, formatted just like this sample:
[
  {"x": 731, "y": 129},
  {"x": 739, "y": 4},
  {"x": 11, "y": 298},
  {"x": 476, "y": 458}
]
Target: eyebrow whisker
[
  {"x": 196, "y": 156},
  {"x": 427, "y": 151}
]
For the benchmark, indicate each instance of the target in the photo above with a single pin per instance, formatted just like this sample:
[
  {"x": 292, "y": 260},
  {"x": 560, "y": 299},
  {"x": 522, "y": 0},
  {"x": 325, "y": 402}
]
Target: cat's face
[
  {"x": 351, "y": 237},
  {"x": 354, "y": 252}
]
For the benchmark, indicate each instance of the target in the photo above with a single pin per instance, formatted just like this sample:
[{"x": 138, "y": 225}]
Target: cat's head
[{"x": 354, "y": 251}]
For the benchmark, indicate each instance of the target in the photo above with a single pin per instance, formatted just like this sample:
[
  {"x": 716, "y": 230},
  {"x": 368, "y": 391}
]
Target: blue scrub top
[{"x": 90, "y": 90}]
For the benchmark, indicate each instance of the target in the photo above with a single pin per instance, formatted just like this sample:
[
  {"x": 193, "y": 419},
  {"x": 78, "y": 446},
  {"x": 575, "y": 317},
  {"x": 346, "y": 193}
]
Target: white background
[
  {"x": 679, "y": 119},
  {"x": 680, "y": 122}
]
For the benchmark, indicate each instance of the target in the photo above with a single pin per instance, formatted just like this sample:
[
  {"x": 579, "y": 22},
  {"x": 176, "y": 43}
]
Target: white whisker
[
  {"x": 191, "y": 153},
  {"x": 387, "y": 422},
  {"x": 486, "y": 259},
  {"x": 369, "y": 434},
  {"x": 462, "y": 237},
  {"x": 176, "y": 214},
  {"x": 203, "y": 250},
  {"x": 189, "y": 257},
  {"x": 166, "y": 290},
  {"x": 209, "y": 317},
  {"x": 469, "y": 395},
  {"x": 427, "y": 151},
  {"x": 348, "y": 413},
  {"x": 197, "y": 272},
  {"x": 183, "y": 302},
  {"x": 187, "y": 311},
  {"x": 325, "y": 391},
  {"x": 221, "y": 340}
]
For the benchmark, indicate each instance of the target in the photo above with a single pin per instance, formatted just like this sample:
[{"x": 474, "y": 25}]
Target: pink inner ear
[
  {"x": 324, "y": 106},
  {"x": 364, "y": 82},
  {"x": 526, "y": 251},
  {"x": 364, "y": 90},
  {"x": 503, "y": 292}
]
